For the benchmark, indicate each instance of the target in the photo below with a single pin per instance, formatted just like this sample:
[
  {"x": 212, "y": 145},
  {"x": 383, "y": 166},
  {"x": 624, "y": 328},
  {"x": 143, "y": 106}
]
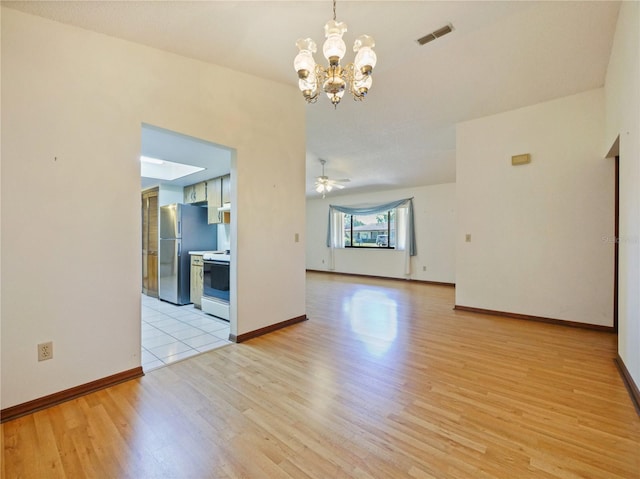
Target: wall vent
[{"x": 435, "y": 34}]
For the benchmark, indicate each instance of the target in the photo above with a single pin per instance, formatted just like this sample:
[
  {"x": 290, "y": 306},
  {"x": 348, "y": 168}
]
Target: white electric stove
[{"x": 215, "y": 291}]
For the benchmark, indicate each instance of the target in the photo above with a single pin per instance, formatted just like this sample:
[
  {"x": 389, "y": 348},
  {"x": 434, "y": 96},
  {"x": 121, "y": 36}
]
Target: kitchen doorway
[{"x": 172, "y": 332}]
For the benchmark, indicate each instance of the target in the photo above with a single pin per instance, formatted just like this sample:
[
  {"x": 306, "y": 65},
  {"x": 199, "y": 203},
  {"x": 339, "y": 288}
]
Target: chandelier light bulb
[
  {"x": 366, "y": 58},
  {"x": 335, "y": 79},
  {"x": 303, "y": 63},
  {"x": 334, "y": 47}
]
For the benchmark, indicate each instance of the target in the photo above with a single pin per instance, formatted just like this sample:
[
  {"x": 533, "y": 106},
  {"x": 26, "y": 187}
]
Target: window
[
  {"x": 370, "y": 231},
  {"x": 343, "y": 223}
]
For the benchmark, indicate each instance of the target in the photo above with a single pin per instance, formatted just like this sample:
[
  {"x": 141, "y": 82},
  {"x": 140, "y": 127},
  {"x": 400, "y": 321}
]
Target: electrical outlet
[{"x": 45, "y": 351}]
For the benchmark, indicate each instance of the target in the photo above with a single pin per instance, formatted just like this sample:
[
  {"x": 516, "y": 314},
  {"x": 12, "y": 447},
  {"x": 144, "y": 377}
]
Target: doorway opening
[{"x": 173, "y": 326}]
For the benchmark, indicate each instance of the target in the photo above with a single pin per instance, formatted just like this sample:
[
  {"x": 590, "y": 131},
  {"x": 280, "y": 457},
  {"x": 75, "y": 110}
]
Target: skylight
[{"x": 165, "y": 170}]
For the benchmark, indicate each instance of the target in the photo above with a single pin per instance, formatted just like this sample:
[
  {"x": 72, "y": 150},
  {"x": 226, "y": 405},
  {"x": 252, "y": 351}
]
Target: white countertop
[
  {"x": 212, "y": 255},
  {"x": 216, "y": 256}
]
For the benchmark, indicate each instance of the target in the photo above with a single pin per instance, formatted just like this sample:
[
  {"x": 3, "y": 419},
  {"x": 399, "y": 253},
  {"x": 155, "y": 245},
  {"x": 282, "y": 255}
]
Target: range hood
[{"x": 225, "y": 207}]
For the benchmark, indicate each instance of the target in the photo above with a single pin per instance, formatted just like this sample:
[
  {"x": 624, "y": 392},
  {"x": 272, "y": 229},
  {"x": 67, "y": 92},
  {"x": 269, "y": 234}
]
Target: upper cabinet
[
  {"x": 226, "y": 189},
  {"x": 218, "y": 194},
  {"x": 196, "y": 193},
  {"x": 214, "y": 200},
  {"x": 215, "y": 193}
]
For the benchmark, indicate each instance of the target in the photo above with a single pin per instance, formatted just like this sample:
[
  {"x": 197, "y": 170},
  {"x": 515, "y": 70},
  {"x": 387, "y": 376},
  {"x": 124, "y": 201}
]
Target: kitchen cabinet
[
  {"x": 150, "y": 242},
  {"x": 214, "y": 200},
  {"x": 226, "y": 189},
  {"x": 189, "y": 192},
  {"x": 195, "y": 193},
  {"x": 196, "y": 280},
  {"x": 219, "y": 194}
]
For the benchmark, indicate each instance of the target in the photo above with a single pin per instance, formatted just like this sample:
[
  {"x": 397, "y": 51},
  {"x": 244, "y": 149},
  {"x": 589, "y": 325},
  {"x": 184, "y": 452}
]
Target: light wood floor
[{"x": 384, "y": 381}]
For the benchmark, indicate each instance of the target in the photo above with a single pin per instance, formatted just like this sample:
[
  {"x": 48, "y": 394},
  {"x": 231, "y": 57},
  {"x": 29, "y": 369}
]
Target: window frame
[{"x": 388, "y": 233}]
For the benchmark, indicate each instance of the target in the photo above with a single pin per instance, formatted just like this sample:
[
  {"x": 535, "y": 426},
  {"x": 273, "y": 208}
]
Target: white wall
[
  {"x": 224, "y": 236},
  {"x": 434, "y": 213},
  {"x": 623, "y": 118},
  {"x": 538, "y": 231},
  {"x": 169, "y": 194},
  {"x": 73, "y": 103}
]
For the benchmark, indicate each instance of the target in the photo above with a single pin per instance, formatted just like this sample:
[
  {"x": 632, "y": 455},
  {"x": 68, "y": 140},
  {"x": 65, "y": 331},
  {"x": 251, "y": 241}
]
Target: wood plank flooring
[{"x": 385, "y": 380}]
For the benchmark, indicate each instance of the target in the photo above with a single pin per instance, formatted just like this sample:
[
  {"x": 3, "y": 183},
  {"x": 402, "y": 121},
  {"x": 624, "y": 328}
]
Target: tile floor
[{"x": 171, "y": 333}]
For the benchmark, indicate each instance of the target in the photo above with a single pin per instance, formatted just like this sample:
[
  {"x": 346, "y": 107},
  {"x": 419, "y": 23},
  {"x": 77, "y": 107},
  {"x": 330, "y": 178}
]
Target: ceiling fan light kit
[
  {"x": 324, "y": 185},
  {"x": 335, "y": 79}
]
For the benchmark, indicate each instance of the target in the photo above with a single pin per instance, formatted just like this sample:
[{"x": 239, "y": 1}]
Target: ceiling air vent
[{"x": 435, "y": 34}]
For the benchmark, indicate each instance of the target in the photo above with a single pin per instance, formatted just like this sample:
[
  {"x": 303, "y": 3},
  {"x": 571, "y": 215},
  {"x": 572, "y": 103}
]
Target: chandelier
[{"x": 335, "y": 79}]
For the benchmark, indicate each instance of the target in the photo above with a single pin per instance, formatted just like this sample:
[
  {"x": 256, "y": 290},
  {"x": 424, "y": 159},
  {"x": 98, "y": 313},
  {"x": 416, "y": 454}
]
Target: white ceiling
[{"x": 501, "y": 56}]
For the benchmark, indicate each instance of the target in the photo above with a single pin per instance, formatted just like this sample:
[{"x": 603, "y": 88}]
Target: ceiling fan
[{"x": 324, "y": 184}]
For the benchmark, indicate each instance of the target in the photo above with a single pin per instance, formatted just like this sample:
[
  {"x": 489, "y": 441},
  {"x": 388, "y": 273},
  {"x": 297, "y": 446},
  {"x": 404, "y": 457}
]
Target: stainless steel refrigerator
[{"x": 183, "y": 228}]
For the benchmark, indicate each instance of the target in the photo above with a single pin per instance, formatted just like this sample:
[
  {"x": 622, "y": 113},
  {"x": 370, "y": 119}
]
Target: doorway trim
[
  {"x": 616, "y": 244},
  {"x": 614, "y": 152}
]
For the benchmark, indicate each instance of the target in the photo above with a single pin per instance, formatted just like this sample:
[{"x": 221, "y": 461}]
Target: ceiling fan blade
[
  {"x": 343, "y": 180},
  {"x": 339, "y": 186}
]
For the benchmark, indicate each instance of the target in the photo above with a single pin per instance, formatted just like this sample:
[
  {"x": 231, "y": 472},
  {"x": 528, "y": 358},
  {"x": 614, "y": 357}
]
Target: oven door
[{"x": 216, "y": 280}]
